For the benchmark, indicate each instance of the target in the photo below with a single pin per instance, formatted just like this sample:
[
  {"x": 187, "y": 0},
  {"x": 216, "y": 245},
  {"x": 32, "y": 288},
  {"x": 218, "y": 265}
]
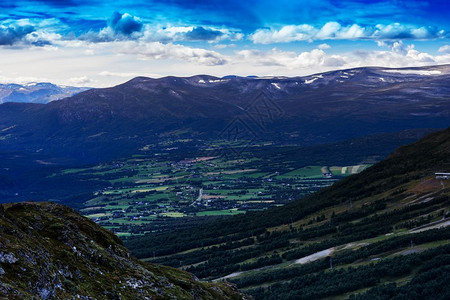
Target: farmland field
[{"x": 158, "y": 188}]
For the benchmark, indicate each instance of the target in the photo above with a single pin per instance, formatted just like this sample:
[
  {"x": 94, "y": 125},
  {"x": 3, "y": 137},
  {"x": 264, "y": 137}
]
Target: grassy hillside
[
  {"x": 381, "y": 230},
  {"x": 48, "y": 251}
]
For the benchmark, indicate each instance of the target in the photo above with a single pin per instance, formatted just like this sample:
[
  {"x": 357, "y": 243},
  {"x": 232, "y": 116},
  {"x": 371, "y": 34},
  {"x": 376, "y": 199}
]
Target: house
[{"x": 442, "y": 175}]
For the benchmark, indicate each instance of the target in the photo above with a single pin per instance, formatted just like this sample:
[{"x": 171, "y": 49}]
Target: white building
[{"x": 442, "y": 175}]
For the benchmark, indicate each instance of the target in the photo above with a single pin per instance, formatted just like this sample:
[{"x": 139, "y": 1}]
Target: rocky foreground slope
[{"x": 48, "y": 251}]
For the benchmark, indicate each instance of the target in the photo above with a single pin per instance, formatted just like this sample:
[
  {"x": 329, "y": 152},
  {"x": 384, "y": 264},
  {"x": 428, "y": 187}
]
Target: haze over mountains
[
  {"x": 36, "y": 92},
  {"x": 316, "y": 109}
]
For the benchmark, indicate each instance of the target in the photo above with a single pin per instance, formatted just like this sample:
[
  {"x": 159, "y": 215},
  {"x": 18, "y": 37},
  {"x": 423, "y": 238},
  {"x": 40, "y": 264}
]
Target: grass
[
  {"x": 219, "y": 212},
  {"x": 306, "y": 172},
  {"x": 219, "y": 176},
  {"x": 173, "y": 214}
]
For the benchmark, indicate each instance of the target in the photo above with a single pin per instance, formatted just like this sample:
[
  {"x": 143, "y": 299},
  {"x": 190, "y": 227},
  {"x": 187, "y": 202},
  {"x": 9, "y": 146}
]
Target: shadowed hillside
[{"x": 48, "y": 251}]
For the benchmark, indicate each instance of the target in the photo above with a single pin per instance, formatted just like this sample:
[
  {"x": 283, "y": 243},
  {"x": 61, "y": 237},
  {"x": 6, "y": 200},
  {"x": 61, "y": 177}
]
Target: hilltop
[
  {"x": 383, "y": 231},
  {"x": 48, "y": 251}
]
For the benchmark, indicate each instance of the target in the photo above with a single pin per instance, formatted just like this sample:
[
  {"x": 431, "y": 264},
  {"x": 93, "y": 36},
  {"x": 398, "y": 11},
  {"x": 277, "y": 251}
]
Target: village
[{"x": 148, "y": 190}]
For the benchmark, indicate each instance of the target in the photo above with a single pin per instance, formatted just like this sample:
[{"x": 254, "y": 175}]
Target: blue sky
[{"x": 102, "y": 43}]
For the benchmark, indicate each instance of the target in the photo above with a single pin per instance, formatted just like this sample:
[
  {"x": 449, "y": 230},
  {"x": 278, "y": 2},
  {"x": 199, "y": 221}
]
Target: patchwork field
[{"x": 154, "y": 189}]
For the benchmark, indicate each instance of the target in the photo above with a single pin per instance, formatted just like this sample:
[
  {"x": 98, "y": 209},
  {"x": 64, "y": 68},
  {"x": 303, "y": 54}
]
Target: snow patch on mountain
[{"x": 415, "y": 72}]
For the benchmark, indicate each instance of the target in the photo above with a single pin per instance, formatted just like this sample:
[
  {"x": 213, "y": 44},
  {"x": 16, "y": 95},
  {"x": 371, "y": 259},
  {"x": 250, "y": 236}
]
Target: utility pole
[{"x": 331, "y": 263}]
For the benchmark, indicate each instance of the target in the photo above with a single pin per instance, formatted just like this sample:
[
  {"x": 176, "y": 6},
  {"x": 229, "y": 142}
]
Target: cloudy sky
[{"x": 103, "y": 43}]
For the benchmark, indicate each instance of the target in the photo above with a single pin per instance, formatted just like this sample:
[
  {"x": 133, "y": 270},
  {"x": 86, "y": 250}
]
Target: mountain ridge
[{"x": 292, "y": 110}]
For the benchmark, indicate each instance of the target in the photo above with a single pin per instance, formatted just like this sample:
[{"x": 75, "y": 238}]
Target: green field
[{"x": 145, "y": 189}]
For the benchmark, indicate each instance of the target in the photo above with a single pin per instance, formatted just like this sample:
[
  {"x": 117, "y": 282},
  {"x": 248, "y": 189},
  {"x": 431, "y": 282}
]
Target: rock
[
  {"x": 45, "y": 293},
  {"x": 8, "y": 258}
]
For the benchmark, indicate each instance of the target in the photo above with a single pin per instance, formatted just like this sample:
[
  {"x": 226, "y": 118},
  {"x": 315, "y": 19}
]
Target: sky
[{"x": 104, "y": 43}]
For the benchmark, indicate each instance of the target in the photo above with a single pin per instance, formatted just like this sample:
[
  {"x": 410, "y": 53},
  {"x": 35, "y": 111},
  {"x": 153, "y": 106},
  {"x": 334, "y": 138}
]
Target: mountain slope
[
  {"x": 299, "y": 110},
  {"x": 387, "y": 214},
  {"x": 48, "y": 251}
]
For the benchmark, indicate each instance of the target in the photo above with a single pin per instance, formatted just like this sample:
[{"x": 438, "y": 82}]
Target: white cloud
[
  {"x": 288, "y": 33},
  {"x": 334, "y": 30},
  {"x": 23, "y": 79},
  {"x": 444, "y": 49},
  {"x": 80, "y": 81},
  {"x": 291, "y": 60},
  {"x": 127, "y": 74},
  {"x": 324, "y": 46},
  {"x": 399, "y": 55},
  {"x": 158, "y": 51}
]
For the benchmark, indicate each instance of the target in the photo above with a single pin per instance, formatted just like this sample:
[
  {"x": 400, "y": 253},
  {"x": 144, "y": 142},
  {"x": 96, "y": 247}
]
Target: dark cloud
[
  {"x": 124, "y": 24},
  {"x": 38, "y": 42},
  {"x": 119, "y": 27},
  {"x": 202, "y": 34},
  {"x": 13, "y": 34}
]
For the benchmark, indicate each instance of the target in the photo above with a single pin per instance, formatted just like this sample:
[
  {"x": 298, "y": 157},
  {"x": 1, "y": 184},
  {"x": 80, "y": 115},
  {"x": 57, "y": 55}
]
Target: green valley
[{"x": 146, "y": 192}]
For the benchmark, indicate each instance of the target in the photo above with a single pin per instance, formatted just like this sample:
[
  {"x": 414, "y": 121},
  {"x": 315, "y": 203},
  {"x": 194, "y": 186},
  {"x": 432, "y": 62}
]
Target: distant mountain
[
  {"x": 49, "y": 251},
  {"x": 36, "y": 92},
  {"x": 380, "y": 234},
  {"x": 323, "y": 108}
]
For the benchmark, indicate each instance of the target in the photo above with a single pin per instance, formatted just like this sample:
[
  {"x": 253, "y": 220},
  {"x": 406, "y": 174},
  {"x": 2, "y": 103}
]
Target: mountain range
[
  {"x": 105, "y": 123},
  {"x": 36, "y": 92}
]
